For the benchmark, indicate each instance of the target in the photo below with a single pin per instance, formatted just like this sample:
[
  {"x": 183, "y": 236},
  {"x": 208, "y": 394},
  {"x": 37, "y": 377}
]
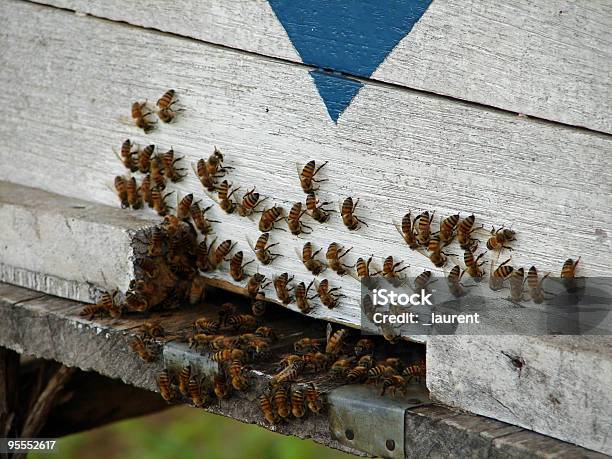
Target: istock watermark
[{"x": 384, "y": 297}]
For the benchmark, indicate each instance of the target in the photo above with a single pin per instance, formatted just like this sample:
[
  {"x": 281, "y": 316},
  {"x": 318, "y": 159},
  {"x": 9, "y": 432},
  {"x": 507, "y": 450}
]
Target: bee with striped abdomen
[
  {"x": 183, "y": 207},
  {"x": 145, "y": 190},
  {"x": 159, "y": 202},
  {"x": 453, "y": 280},
  {"x": 280, "y": 285},
  {"x": 298, "y": 403},
  {"x": 199, "y": 397},
  {"x": 126, "y": 155},
  {"x": 389, "y": 270},
  {"x": 334, "y": 255},
  {"x": 536, "y": 292},
  {"x": 500, "y": 274},
  {"x": 144, "y": 159},
  {"x": 280, "y": 401},
  {"x": 465, "y": 228},
  {"x": 266, "y": 408},
  {"x": 472, "y": 266},
  {"x": 184, "y": 377},
  {"x": 289, "y": 374},
  {"x": 294, "y": 222},
  {"x": 437, "y": 256},
  {"x": 249, "y": 203},
  {"x": 422, "y": 281},
  {"x": 121, "y": 190},
  {"x": 208, "y": 180},
  {"x": 328, "y": 296},
  {"x": 133, "y": 194},
  {"x": 305, "y": 345},
  {"x": 204, "y": 255},
  {"x": 269, "y": 217},
  {"x": 214, "y": 163},
  {"x": 142, "y": 348},
  {"x": 164, "y": 385},
  {"x": 447, "y": 229},
  {"x": 316, "y": 210},
  {"x": 423, "y": 227},
  {"x": 307, "y": 176},
  {"x": 197, "y": 290},
  {"x": 206, "y": 325},
  {"x": 259, "y": 307},
  {"x": 238, "y": 378},
  {"x": 221, "y": 252},
  {"x": 262, "y": 249},
  {"x": 415, "y": 370},
  {"x": 347, "y": 211},
  {"x": 237, "y": 267},
  {"x": 301, "y": 297},
  {"x": 407, "y": 230},
  {"x": 335, "y": 341},
  {"x": 568, "y": 274},
  {"x": 166, "y": 112},
  {"x": 255, "y": 284},
  {"x": 314, "y": 399},
  {"x": 307, "y": 256},
  {"x": 221, "y": 385},
  {"x": 242, "y": 322},
  {"x": 517, "y": 283},
  {"x": 140, "y": 117},
  {"x": 171, "y": 172},
  {"x": 499, "y": 238},
  {"x": 198, "y": 216}
]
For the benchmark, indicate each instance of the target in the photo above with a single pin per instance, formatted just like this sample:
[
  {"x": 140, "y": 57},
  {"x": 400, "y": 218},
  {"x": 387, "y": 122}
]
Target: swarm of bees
[{"x": 183, "y": 249}]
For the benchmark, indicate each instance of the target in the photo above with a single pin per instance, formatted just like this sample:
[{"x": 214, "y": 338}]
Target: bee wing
[
  {"x": 328, "y": 332},
  {"x": 398, "y": 227},
  {"x": 299, "y": 254},
  {"x": 194, "y": 166},
  {"x": 340, "y": 203},
  {"x": 250, "y": 244},
  {"x": 125, "y": 120},
  {"x": 299, "y": 168}
]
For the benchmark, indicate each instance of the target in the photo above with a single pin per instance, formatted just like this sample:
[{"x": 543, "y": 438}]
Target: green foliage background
[{"x": 186, "y": 433}]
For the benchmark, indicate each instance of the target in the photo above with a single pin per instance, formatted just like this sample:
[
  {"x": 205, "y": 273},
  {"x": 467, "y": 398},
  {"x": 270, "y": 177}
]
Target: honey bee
[
  {"x": 269, "y": 217},
  {"x": 142, "y": 348},
  {"x": 171, "y": 172},
  {"x": 568, "y": 274},
  {"x": 266, "y": 408},
  {"x": 437, "y": 256},
  {"x": 314, "y": 400},
  {"x": 280, "y": 401},
  {"x": 152, "y": 329},
  {"x": 140, "y": 117},
  {"x": 92, "y": 310},
  {"x": 290, "y": 373},
  {"x": 226, "y": 355},
  {"x": 203, "y": 256},
  {"x": 133, "y": 194},
  {"x": 225, "y": 197},
  {"x": 208, "y": 180},
  {"x": 313, "y": 265},
  {"x": 184, "y": 377},
  {"x": 221, "y": 386},
  {"x": 198, "y": 216},
  {"x": 422, "y": 226},
  {"x": 294, "y": 220},
  {"x": 145, "y": 190},
  {"x": 307, "y": 175},
  {"x": 423, "y": 280},
  {"x": 316, "y": 210},
  {"x": 256, "y": 283},
  {"x": 305, "y": 345},
  {"x": 393, "y": 383},
  {"x": 165, "y": 389},
  {"x": 472, "y": 266},
  {"x": 394, "y": 363},
  {"x": 454, "y": 282},
  {"x": 206, "y": 325},
  {"x": 407, "y": 230},
  {"x": 225, "y": 342},
  {"x": 390, "y": 270},
  {"x": 221, "y": 252},
  {"x": 302, "y": 298},
  {"x": 198, "y": 397},
  {"x": 200, "y": 340},
  {"x": 289, "y": 360},
  {"x": 377, "y": 373},
  {"x": 340, "y": 367},
  {"x": 197, "y": 290},
  {"x": 497, "y": 277},
  {"x": 298, "y": 403},
  {"x": 227, "y": 310},
  {"x": 159, "y": 202},
  {"x": 416, "y": 370},
  {"x": 166, "y": 113},
  {"x": 237, "y": 375},
  {"x": 315, "y": 362},
  {"x": 363, "y": 269},
  {"x": 183, "y": 207},
  {"x": 280, "y": 285},
  {"x": 536, "y": 292},
  {"x": 266, "y": 332},
  {"x": 127, "y": 155},
  {"x": 347, "y": 211},
  {"x": 447, "y": 229},
  {"x": 366, "y": 361},
  {"x": 465, "y": 228},
  {"x": 249, "y": 203},
  {"x": 107, "y": 301},
  {"x": 363, "y": 346},
  {"x": 262, "y": 250},
  {"x": 214, "y": 164},
  {"x": 499, "y": 238},
  {"x": 121, "y": 189},
  {"x": 144, "y": 159},
  {"x": 236, "y": 266},
  {"x": 333, "y": 256},
  {"x": 336, "y": 342},
  {"x": 242, "y": 322},
  {"x": 517, "y": 282},
  {"x": 329, "y": 296},
  {"x": 136, "y": 302},
  {"x": 259, "y": 307},
  {"x": 357, "y": 374}
]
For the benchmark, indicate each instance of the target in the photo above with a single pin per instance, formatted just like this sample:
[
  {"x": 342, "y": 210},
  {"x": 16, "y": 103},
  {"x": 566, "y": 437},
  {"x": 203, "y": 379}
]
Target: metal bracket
[
  {"x": 359, "y": 417},
  {"x": 179, "y": 355}
]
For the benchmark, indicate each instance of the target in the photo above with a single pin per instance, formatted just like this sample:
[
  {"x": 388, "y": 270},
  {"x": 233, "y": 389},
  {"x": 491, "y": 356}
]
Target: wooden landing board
[
  {"x": 50, "y": 328},
  {"x": 546, "y": 59}
]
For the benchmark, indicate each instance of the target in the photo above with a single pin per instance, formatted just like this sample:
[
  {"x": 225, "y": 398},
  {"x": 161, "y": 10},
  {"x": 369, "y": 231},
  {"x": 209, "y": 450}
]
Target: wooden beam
[{"x": 545, "y": 59}]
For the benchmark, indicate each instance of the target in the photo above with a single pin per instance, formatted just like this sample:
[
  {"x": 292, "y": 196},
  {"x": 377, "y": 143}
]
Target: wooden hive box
[{"x": 501, "y": 110}]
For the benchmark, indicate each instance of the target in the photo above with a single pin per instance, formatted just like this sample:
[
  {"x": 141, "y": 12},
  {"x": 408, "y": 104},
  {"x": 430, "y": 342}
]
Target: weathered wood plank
[
  {"x": 547, "y": 59},
  {"x": 556, "y": 385},
  {"x": 101, "y": 346},
  {"x": 49, "y": 241}
]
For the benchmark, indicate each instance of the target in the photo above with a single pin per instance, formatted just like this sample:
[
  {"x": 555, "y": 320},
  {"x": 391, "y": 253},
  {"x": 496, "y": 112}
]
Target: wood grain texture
[
  {"x": 551, "y": 60},
  {"x": 67, "y": 103},
  {"x": 49, "y": 327},
  {"x": 560, "y": 388}
]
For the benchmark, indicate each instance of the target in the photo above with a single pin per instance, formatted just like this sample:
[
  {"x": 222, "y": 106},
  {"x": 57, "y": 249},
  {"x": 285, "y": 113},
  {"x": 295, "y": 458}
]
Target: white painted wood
[
  {"x": 562, "y": 390},
  {"x": 67, "y": 105},
  {"x": 549, "y": 59},
  {"x": 63, "y": 246}
]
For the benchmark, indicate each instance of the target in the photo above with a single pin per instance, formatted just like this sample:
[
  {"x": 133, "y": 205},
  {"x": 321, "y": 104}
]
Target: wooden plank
[
  {"x": 50, "y": 328},
  {"x": 49, "y": 241},
  {"x": 546, "y": 59},
  {"x": 556, "y": 385}
]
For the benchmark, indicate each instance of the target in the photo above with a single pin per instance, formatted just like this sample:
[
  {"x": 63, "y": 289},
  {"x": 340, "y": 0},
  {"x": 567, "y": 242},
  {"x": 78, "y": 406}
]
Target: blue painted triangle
[
  {"x": 336, "y": 91},
  {"x": 348, "y": 36}
]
